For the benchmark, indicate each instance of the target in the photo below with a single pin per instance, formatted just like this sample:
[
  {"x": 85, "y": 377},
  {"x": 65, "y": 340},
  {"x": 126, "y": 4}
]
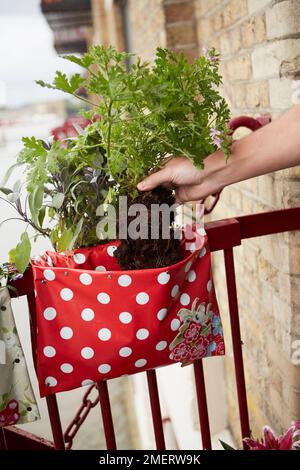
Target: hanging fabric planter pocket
[{"x": 98, "y": 322}]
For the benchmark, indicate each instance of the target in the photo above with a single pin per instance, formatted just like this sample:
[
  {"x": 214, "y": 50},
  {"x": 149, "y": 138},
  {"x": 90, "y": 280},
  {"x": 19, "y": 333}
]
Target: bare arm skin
[{"x": 275, "y": 146}]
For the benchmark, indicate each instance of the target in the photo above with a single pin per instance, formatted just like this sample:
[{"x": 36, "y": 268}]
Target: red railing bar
[
  {"x": 268, "y": 223},
  {"x": 108, "y": 424},
  {"x": 223, "y": 234},
  {"x": 23, "y": 286},
  {"x": 202, "y": 404},
  {"x": 155, "y": 409},
  {"x": 236, "y": 342},
  {"x": 2, "y": 439},
  {"x": 33, "y": 326},
  {"x": 227, "y": 233},
  {"x": 58, "y": 437},
  {"x": 18, "y": 439},
  {"x": 251, "y": 123}
]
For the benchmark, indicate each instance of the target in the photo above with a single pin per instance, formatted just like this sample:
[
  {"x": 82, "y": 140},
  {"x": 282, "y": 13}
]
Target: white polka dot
[
  {"x": 103, "y": 298},
  {"x": 86, "y": 279},
  {"x": 191, "y": 276},
  {"x": 66, "y": 368},
  {"x": 140, "y": 363},
  {"x": 163, "y": 278},
  {"x": 175, "y": 324},
  {"x": 142, "y": 298},
  {"x": 185, "y": 299},
  {"x": 124, "y": 280},
  {"x": 49, "y": 313},
  {"x": 12, "y": 406},
  {"x": 161, "y": 345},
  {"x": 66, "y": 332},
  {"x": 49, "y": 274},
  {"x": 79, "y": 258},
  {"x": 125, "y": 352},
  {"x": 188, "y": 266},
  {"x": 50, "y": 381},
  {"x": 100, "y": 268},
  {"x": 104, "y": 368},
  {"x": 104, "y": 334},
  {"x": 66, "y": 294},
  {"x": 175, "y": 290},
  {"x": 192, "y": 246},
  {"x": 201, "y": 231},
  {"x": 87, "y": 314},
  {"x": 111, "y": 249},
  {"x": 87, "y": 353},
  {"x": 87, "y": 382},
  {"x": 209, "y": 286},
  {"x": 125, "y": 317},
  {"x": 49, "y": 351},
  {"x": 202, "y": 252},
  {"x": 162, "y": 314},
  {"x": 142, "y": 333}
]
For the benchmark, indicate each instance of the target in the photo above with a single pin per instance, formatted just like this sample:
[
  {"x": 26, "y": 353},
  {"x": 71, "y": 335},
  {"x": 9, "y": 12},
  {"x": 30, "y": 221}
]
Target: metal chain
[{"x": 80, "y": 417}]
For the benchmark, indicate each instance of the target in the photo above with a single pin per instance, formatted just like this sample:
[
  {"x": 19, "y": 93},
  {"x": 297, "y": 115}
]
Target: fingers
[
  {"x": 156, "y": 179},
  {"x": 188, "y": 193}
]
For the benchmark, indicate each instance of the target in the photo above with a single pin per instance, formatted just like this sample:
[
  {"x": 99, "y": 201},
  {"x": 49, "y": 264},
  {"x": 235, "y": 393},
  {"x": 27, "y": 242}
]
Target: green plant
[
  {"x": 290, "y": 440},
  {"x": 138, "y": 117},
  {"x": 65, "y": 183},
  {"x": 172, "y": 107}
]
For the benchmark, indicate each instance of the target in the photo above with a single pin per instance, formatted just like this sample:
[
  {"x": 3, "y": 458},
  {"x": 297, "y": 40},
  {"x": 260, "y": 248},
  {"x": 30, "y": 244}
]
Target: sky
[{"x": 26, "y": 54}]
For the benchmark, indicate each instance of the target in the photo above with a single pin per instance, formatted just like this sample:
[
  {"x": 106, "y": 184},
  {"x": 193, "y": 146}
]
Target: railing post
[
  {"x": 236, "y": 342},
  {"x": 155, "y": 409},
  {"x": 58, "y": 437},
  {"x": 108, "y": 424},
  {"x": 202, "y": 404},
  {"x": 2, "y": 440}
]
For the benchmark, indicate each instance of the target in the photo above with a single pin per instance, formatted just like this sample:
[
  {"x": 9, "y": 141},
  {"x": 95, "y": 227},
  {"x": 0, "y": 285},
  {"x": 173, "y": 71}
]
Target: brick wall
[
  {"x": 146, "y": 27},
  {"x": 260, "y": 46},
  {"x": 107, "y": 24},
  {"x": 164, "y": 23}
]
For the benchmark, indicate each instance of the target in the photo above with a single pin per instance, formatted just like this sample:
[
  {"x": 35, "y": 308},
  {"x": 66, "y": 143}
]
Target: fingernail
[{"x": 141, "y": 186}]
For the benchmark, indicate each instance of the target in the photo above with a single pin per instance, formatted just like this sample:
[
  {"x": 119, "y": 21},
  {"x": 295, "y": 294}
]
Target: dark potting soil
[{"x": 150, "y": 253}]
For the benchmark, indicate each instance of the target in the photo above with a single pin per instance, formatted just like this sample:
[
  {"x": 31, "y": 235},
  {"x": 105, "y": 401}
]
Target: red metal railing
[{"x": 223, "y": 235}]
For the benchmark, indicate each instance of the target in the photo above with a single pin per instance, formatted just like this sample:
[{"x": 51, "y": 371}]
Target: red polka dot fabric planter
[{"x": 98, "y": 322}]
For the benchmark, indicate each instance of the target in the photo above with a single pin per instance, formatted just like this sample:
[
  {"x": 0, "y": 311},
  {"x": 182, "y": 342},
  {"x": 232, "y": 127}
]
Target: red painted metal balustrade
[{"x": 223, "y": 235}]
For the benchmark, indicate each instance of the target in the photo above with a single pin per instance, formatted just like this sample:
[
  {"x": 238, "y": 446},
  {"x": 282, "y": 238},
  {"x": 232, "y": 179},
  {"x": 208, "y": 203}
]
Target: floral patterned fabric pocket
[
  {"x": 17, "y": 401},
  {"x": 97, "y": 322}
]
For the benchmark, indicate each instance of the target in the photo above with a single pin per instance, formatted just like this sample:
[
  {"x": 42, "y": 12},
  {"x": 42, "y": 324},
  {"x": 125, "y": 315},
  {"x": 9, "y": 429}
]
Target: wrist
[{"x": 221, "y": 171}]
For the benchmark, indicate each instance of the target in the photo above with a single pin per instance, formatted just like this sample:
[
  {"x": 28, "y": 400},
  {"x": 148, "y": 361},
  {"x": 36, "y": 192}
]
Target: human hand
[{"x": 190, "y": 184}]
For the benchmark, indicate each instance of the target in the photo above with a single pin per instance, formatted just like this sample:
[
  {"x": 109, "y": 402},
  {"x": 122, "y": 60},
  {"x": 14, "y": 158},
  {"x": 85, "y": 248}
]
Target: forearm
[{"x": 271, "y": 148}]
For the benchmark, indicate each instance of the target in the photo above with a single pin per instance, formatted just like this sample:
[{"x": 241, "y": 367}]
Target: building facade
[{"x": 259, "y": 41}]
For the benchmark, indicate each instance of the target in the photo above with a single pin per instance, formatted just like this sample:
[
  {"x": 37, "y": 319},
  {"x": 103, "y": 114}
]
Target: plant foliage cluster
[{"x": 137, "y": 118}]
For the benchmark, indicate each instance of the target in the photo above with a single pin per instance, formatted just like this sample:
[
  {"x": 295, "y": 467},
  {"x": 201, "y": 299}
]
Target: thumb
[{"x": 154, "y": 180}]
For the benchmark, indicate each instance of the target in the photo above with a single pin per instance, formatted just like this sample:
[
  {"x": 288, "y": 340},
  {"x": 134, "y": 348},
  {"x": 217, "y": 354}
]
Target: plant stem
[
  {"x": 84, "y": 99},
  {"x": 8, "y": 202},
  {"x": 109, "y": 130}
]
